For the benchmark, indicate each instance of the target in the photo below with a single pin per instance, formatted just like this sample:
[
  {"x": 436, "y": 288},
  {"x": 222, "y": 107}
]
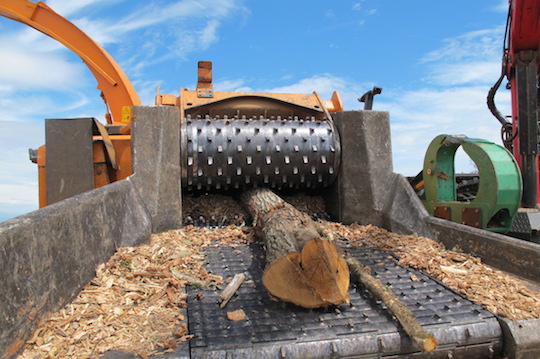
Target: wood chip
[
  {"x": 453, "y": 270},
  {"x": 236, "y": 315}
]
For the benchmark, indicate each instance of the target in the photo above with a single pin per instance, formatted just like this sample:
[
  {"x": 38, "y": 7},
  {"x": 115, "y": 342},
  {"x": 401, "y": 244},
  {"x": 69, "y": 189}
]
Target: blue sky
[{"x": 435, "y": 60}]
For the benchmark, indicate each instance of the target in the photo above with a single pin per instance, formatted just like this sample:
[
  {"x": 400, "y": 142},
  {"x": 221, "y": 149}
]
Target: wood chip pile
[
  {"x": 136, "y": 301},
  {"x": 214, "y": 205},
  {"x": 225, "y": 207},
  {"x": 498, "y": 292}
]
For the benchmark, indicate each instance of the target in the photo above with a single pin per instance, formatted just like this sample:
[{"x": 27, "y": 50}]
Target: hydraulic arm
[{"x": 520, "y": 66}]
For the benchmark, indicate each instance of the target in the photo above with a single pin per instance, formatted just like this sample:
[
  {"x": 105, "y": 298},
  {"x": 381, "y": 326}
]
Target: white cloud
[
  {"x": 190, "y": 39},
  {"x": 502, "y": 6},
  {"x": 470, "y": 60},
  {"x": 14, "y": 106},
  {"x": 465, "y": 73},
  {"x": 236, "y": 85},
  {"x": 418, "y": 116},
  {"x": 325, "y": 85},
  {"x": 22, "y": 66},
  {"x": 321, "y": 83},
  {"x": 106, "y": 31},
  {"x": 67, "y": 8},
  {"x": 357, "y": 6},
  {"x": 174, "y": 30},
  {"x": 147, "y": 90},
  {"x": 19, "y": 194},
  {"x": 18, "y": 176},
  {"x": 469, "y": 46}
]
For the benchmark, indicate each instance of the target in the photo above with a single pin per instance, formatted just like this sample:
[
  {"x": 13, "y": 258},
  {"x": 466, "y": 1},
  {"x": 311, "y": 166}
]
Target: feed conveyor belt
[
  {"x": 237, "y": 153},
  {"x": 363, "y": 329}
]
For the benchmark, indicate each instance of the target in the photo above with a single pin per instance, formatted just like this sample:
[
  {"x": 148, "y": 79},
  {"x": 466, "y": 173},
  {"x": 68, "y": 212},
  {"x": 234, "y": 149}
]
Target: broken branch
[
  {"x": 405, "y": 317},
  {"x": 230, "y": 289}
]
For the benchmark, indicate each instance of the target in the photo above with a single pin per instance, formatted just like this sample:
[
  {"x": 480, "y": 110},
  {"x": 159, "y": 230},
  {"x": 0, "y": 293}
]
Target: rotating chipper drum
[
  {"x": 223, "y": 154},
  {"x": 229, "y": 140},
  {"x": 232, "y": 140}
]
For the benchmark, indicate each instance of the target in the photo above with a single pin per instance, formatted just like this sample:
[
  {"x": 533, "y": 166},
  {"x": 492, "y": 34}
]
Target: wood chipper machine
[{"x": 108, "y": 186}]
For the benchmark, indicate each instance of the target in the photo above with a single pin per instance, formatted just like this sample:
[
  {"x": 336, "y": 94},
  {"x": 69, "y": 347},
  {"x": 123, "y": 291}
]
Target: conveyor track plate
[{"x": 363, "y": 329}]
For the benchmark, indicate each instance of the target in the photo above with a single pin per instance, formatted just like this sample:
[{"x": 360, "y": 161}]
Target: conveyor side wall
[
  {"x": 367, "y": 189},
  {"x": 48, "y": 255},
  {"x": 369, "y": 192}
]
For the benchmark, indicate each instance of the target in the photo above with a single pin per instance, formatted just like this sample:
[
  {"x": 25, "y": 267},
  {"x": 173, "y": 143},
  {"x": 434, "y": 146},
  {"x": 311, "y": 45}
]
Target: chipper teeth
[{"x": 222, "y": 154}]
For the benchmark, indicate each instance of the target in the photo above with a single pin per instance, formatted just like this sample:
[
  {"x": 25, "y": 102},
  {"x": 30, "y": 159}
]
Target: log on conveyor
[{"x": 304, "y": 266}]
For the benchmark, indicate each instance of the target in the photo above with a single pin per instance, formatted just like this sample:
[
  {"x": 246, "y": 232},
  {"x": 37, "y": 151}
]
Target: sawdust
[
  {"x": 136, "y": 302},
  {"x": 498, "y": 292},
  {"x": 312, "y": 205}
]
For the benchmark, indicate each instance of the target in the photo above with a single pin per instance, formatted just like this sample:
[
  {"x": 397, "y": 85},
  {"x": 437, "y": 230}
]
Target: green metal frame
[{"x": 499, "y": 191}]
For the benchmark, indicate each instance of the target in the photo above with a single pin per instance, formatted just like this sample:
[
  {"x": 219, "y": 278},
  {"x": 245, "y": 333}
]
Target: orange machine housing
[{"x": 111, "y": 146}]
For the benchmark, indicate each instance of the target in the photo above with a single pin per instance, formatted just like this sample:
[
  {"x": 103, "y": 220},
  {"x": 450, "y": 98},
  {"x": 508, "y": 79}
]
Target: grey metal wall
[{"x": 48, "y": 255}]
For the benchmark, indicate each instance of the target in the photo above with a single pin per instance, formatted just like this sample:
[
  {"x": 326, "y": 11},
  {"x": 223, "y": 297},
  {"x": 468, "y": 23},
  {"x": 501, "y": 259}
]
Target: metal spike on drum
[{"x": 242, "y": 153}]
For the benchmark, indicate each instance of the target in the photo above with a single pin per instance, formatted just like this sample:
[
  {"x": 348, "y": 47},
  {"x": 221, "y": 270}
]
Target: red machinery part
[{"x": 522, "y": 63}]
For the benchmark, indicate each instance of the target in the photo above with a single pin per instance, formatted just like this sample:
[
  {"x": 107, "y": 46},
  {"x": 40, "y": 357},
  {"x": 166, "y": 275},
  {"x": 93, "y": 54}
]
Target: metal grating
[{"x": 363, "y": 329}]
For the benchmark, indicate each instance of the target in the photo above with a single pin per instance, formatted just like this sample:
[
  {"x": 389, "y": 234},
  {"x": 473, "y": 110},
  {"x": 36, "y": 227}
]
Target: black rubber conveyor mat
[{"x": 364, "y": 328}]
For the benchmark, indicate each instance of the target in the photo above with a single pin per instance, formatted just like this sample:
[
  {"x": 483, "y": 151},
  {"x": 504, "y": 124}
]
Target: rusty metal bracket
[
  {"x": 108, "y": 143},
  {"x": 443, "y": 212},
  {"x": 204, "y": 81},
  {"x": 472, "y": 217}
]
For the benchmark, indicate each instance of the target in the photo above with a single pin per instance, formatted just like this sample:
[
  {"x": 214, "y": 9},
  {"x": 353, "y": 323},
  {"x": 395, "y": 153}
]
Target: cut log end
[
  {"x": 316, "y": 277},
  {"x": 429, "y": 344}
]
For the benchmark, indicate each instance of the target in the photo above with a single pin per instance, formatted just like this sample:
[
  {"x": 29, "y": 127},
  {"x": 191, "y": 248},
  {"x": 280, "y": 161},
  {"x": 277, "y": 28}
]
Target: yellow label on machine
[{"x": 127, "y": 114}]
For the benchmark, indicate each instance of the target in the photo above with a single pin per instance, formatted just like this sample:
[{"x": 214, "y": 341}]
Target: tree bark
[
  {"x": 304, "y": 266},
  {"x": 405, "y": 317}
]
